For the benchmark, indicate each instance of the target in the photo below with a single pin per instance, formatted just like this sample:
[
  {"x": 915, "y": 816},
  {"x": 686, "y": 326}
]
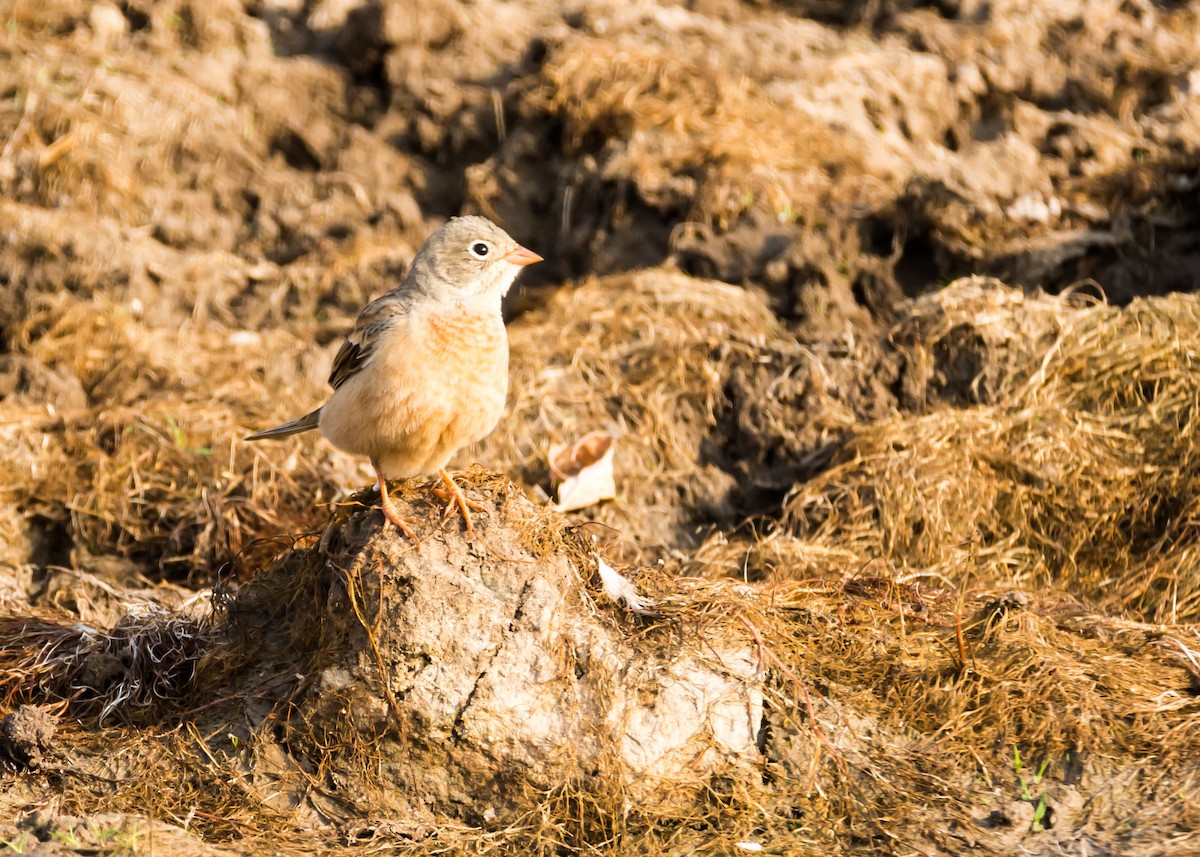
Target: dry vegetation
[{"x": 952, "y": 518}]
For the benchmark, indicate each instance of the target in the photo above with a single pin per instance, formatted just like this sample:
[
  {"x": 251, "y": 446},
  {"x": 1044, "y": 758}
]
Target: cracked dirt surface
[{"x": 545, "y": 688}]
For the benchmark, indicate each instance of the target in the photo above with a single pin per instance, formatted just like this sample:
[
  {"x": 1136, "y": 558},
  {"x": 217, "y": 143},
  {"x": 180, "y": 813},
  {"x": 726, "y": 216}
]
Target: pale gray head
[{"x": 467, "y": 258}]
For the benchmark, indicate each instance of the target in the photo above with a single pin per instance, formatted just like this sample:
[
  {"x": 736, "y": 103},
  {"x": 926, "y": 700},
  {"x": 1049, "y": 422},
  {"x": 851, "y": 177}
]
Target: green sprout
[{"x": 1040, "y": 808}]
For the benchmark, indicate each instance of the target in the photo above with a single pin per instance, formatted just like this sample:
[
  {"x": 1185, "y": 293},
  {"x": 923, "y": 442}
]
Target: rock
[{"x": 499, "y": 671}]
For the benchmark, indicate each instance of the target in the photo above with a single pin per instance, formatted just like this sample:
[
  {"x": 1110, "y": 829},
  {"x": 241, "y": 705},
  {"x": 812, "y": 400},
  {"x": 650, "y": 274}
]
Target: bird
[{"x": 424, "y": 373}]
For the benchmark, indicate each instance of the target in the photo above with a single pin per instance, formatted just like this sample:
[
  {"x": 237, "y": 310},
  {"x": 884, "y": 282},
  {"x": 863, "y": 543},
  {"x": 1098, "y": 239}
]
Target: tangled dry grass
[
  {"x": 139, "y": 666},
  {"x": 717, "y": 153},
  {"x": 1077, "y": 468},
  {"x": 644, "y": 356},
  {"x": 890, "y": 704},
  {"x": 143, "y": 432},
  {"x": 1000, "y": 566}
]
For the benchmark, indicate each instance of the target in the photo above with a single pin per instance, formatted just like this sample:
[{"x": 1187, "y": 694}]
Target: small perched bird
[{"x": 425, "y": 371}]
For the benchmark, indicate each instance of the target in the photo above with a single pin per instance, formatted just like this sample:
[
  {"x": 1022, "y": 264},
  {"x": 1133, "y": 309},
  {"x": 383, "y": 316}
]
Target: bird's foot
[
  {"x": 402, "y": 523},
  {"x": 446, "y": 495},
  {"x": 453, "y": 496},
  {"x": 392, "y": 513}
]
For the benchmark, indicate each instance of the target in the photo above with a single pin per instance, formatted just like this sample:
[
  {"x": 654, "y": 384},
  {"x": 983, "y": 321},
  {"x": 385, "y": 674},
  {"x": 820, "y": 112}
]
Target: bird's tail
[{"x": 304, "y": 423}]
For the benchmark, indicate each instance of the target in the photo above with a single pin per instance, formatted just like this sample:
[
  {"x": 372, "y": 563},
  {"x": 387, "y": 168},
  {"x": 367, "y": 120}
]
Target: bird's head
[{"x": 470, "y": 257}]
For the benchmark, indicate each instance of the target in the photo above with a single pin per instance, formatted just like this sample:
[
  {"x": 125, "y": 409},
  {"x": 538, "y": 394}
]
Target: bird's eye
[{"x": 480, "y": 249}]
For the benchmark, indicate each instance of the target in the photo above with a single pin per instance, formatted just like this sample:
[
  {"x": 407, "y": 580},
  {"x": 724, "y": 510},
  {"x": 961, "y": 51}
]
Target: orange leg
[
  {"x": 459, "y": 499},
  {"x": 389, "y": 508}
]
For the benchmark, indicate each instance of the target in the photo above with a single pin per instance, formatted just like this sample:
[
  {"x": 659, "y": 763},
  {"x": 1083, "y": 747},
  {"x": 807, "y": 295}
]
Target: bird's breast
[
  {"x": 470, "y": 353},
  {"x": 466, "y": 340},
  {"x": 435, "y": 383}
]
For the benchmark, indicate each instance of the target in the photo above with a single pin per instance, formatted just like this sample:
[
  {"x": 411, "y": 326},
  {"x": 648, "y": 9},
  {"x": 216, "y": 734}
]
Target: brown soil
[
  {"x": 889, "y": 306},
  {"x": 26, "y": 733}
]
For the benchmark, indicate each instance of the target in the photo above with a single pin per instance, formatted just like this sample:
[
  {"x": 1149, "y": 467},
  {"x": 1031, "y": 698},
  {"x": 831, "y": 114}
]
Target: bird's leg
[
  {"x": 389, "y": 508},
  {"x": 447, "y": 495},
  {"x": 459, "y": 499}
]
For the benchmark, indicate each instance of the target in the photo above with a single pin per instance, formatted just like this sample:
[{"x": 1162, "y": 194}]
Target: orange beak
[{"x": 522, "y": 256}]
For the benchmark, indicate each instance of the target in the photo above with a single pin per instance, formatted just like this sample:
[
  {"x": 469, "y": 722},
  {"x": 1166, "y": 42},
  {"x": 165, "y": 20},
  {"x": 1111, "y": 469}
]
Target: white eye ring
[{"x": 479, "y": 249}]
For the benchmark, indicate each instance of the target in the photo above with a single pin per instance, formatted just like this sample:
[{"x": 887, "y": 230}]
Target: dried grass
[
  {"x": 1045, "y": 443},
  {"x": 131, "y": 172},
  {"x": 132, "y": 671},
  {"x": 147, "y": 462},
  {"x": 107, "y": 138},
  {"x": 897, "y": 687},
  {"x": 645, "y": 356},
  {"x": 690, "y": 136},
  {"x": 890, "y": 704},
  {"x": 1080, "y": 470},
  {"x": 179, "y": 775}
]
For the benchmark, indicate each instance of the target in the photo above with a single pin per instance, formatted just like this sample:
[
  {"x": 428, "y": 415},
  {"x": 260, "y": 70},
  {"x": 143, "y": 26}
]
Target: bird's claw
[
  {"x": 453, "y": 495},
  {"x": 391, "y": 512}
]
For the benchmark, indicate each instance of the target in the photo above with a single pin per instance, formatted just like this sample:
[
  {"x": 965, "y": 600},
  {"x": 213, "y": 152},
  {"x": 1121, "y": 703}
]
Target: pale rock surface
[{"x": 507, "y": 674}]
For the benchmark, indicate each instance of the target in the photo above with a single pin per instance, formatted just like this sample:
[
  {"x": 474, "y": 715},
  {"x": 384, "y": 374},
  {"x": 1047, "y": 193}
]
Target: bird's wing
[{"x": 375, "y": 319}]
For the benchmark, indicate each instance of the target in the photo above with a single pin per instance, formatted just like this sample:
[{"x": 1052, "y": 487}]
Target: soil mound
[
  {"x": 482, "y": 689},
  {"x": 717, "y": 410},
  {"x": 459, "y": 678}
]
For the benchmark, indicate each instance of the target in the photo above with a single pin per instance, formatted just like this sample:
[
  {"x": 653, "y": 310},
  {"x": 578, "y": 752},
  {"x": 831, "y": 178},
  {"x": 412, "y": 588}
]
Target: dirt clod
[{"x": 26, "y": 733}]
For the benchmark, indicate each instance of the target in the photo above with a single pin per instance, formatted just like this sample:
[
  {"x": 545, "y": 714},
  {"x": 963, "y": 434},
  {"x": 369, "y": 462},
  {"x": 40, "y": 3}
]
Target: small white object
[
  {"x": 585, "y": 470},
  {"x": 620, "y": 589},
  {"x": 1192, "y": 82},
  {"x": 748, "y": 846},
  {"x": 109, "y": 26},
  {"x": 1033, "y": 208},
  {"x": 240, "y": 338}
]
